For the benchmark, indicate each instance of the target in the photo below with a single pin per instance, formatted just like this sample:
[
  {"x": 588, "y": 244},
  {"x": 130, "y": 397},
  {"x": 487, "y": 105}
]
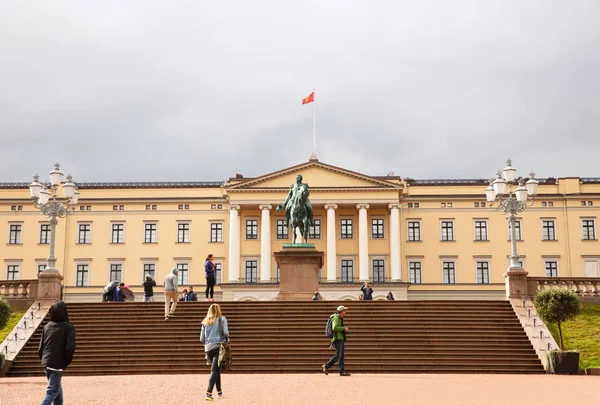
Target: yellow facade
[{"x": 129, "y": 225}]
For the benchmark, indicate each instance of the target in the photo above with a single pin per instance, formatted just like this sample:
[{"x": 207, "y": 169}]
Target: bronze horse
[{"x": 298, "y": 213}]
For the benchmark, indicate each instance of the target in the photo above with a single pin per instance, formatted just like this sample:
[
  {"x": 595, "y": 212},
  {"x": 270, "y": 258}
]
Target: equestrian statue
[{"x": 298, "y": 210}]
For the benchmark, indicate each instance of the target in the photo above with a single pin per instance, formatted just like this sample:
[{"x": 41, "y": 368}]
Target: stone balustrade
[
  {"x": 18, "y": 289},
  {"x": 584, "y": 287}
]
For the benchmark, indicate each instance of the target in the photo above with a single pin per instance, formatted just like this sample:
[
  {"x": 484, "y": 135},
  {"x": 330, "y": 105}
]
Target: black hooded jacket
[{"x": 57, "y": 344}]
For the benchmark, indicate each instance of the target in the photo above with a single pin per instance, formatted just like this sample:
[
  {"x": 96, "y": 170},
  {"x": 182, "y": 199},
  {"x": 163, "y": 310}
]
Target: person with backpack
[
  {"x": 336, "y": 330},
  {"x": 56, "y": 349},
  {"x": 214, "y": 332}
]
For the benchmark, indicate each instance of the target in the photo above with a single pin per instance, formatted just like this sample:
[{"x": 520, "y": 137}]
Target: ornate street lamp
[
  {"x": 511, "y": 201},
  {"x": 44, "y": 197}
]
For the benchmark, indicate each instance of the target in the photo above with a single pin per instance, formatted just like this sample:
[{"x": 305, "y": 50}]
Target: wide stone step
[{"x": 288, "y": 337}]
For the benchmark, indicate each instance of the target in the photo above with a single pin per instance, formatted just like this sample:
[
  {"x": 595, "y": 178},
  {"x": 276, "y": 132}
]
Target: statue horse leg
[{"x": 305, "y": 230}]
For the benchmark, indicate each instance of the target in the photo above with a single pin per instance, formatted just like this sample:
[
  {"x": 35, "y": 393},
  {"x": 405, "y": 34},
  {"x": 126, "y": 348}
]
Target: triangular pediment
[{"x": 318, "y": 176}]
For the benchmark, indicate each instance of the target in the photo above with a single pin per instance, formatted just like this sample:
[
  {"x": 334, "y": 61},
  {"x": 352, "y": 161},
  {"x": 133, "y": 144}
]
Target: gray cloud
[{"x": 186, "y": 90}]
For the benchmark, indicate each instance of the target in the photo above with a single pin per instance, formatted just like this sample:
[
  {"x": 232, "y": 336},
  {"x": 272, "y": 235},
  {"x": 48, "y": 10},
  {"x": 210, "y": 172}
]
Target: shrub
[
  {"x": 557, "y": 306},
  {"x": 5, "y": 311}
]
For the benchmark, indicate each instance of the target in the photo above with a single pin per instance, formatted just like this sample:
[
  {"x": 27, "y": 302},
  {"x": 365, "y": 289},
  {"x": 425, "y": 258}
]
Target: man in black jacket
[
  {"x": 148, "y": 290},
  {"x": 56, "y": 350}
]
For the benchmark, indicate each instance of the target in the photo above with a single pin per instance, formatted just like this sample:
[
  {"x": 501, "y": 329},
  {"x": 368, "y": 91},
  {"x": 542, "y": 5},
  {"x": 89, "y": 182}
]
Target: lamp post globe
[
  {"x": 45, "y": 198},
  {"x": 510, "y": 196}
]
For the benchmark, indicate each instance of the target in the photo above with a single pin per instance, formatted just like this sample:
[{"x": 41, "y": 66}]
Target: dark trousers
[
  {"x": 215, "y": 371},
  {"x": 338, "y": 356},
  {"x": 210, "y": 287},
  {"x": 54, "y": 393}
]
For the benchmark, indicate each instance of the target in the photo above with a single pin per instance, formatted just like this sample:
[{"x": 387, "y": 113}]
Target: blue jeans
[
  {"x": 54, "y": 394},
  {"x": 338, "y": 356}
]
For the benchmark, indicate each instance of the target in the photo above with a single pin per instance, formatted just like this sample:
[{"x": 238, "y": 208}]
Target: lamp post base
[
  {"x": 49, "y": 285},
  {"x": 516, "y": 282}
]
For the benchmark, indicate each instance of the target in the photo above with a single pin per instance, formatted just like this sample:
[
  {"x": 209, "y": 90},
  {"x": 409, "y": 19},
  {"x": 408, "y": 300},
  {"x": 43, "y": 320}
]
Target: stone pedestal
[
  {"x": 516, "y": 283},
  {"x": 49, "y": 285},
  {"x": 298, "y": 272}
]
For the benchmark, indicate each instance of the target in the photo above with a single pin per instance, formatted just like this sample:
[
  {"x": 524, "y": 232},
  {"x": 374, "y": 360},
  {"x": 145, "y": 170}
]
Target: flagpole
[{"x": 314, "y": 126}]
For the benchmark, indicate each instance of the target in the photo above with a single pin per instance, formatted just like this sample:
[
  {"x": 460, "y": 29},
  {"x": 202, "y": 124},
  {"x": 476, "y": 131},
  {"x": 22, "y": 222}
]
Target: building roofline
[
  {"x": 466, "y": 182},
  {"x": 218, "y": 184},
  {"x": 132, "y": 184}
]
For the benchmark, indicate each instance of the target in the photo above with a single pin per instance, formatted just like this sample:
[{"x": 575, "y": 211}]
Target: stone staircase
[{"x": 288, "y": 337}]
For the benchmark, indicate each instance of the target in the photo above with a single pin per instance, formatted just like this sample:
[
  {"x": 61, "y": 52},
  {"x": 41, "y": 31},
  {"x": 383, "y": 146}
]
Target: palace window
[
  {"x": 149, "y": 269},
  {"x": 448, "y": 273},
  {"x": 483, "y": 273},
  {"x": 551, "y": 268},
  {"x": 314, "y": 231},
  {"x": 346, "y": 229},
  {"x": 377, "y": 228},
  {"x": 182, "y": 276},
  {"x": 44, "y": 234},
  {"x": 481, "y": 233},
  {"x": 118, "y": 233},
  {"x": 517, "y": 230},
  {"x": 216, "y": 232},
  {"x": 41, "y": 267},
  {"x": 116, "y": 272},
  {"x": 414, "y": 231},
  {"x": 12, "y": 272},
  {"x": 347, "y": 271},
  {"x": 378, "y": 270},
  {"x": 251, "y": 271},
  {"x": 183, "y": 232},
  {"x": 447, "y": 230},
  {"x": 15, "y": 236},
  {"x": 414, "y": 272},
  {"x": 251, "y": 229},
  {"x": 218, "y": 272},
  {"x": 85, "y": 233},
  {"x": 282, "y": 230},
  {"x": 150, "y": 233},
  {"x": 548, "y": 230},
  {"x": 82, "y": 275},
  {"x": 588, "y": 229}
]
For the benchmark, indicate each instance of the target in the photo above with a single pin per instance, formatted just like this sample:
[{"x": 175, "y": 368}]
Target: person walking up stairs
[{"x": 171, "y": 293}]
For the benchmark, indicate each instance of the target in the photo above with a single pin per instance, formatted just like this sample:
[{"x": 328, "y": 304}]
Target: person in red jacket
[{"x": 57, "y": 347}]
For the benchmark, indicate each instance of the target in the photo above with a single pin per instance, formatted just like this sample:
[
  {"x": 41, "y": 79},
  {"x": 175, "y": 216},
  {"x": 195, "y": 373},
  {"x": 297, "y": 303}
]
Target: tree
[
  {"x": 557, "y": 306},
  {"x": 4, "y": 313}
]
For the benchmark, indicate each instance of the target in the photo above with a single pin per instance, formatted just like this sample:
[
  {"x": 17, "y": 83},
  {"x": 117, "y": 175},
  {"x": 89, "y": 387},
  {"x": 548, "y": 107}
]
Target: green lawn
[
  {"x": 583, "y": 334},
  {"x": 15, "y": 317}
]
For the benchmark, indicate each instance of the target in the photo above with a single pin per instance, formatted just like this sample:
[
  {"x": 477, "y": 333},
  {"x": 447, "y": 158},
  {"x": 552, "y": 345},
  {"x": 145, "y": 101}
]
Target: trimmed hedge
[{"x": 5, "y": 311}]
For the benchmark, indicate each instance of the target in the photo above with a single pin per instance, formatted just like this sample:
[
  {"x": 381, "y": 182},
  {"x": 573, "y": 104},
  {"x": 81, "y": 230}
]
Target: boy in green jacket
[{"x": 339, "y": 340}]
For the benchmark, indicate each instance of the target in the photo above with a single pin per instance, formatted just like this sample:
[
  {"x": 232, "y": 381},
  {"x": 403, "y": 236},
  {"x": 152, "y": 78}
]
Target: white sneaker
[{"x": 219, "y": 395}]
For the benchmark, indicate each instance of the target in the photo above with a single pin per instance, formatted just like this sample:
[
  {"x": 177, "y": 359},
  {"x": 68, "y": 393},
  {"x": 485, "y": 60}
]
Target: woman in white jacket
[{"x": 214, "y": 331}]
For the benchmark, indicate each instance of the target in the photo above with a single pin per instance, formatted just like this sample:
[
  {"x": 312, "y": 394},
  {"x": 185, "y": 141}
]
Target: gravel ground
[{"x": 292, "y": 389}]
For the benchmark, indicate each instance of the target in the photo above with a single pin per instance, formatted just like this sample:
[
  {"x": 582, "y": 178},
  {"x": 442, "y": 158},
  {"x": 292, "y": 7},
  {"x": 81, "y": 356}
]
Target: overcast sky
[{"x": 201, "y": 90}]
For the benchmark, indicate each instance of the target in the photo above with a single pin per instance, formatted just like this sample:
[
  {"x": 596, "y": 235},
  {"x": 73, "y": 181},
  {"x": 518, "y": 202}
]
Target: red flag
[{"x": 309, "y": 99}]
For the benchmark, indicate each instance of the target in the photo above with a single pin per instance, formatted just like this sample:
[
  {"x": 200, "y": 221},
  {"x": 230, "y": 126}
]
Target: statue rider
[{"x": 287, "y": 204}]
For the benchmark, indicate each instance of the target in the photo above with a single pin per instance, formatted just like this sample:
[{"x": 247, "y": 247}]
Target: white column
[
  {"x": 331, "y": 243},
  {"x": 265, "y": 244},
  {"x": 363, "y": 242},
  {"x": 395, "y": 242},
  {"x": 234, "y": 244}
]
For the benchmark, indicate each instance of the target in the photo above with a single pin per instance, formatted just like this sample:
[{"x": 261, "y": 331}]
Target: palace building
[{"x": 420, "y": 239}]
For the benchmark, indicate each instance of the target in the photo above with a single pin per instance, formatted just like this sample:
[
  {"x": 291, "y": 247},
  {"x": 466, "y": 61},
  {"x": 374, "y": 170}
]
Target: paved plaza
[{"x": 296, "y": 389}]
